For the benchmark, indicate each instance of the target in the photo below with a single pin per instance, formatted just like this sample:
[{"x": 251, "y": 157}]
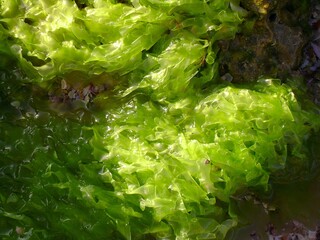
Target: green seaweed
[{"x": 162, "y": 153}]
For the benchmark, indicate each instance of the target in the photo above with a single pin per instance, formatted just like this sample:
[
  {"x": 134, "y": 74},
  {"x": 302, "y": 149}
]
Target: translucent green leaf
[{"x": 179, "y": 157}]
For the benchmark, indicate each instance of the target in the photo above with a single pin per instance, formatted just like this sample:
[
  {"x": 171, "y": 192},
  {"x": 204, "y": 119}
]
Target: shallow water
[{"x": 290, "y": 205}]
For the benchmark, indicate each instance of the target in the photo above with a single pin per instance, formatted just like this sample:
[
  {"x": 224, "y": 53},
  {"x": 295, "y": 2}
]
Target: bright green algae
[
  {"x": 184, "y": 157},
  {"x": 163, "y": 160},
  {"x": 55, "y": 37}
]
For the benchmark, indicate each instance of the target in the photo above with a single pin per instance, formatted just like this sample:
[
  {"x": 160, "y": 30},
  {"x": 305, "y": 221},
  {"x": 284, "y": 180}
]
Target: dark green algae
[{"x": 45, "y": 159}]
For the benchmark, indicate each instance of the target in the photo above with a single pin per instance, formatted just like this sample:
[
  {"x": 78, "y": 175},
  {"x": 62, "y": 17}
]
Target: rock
[{"x": 272, "y": 49}]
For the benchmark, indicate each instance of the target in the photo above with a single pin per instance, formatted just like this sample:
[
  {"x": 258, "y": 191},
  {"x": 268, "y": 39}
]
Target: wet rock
[
  {"x": 310, "y": 64},
  {"x": 258, "y": 6},
  {"x": 272, "y": 49}
]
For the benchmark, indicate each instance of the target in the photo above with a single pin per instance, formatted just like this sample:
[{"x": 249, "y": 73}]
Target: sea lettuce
[
  {"x": 159, "y": 157},
  {"x": 149, "y": 169},
  {"x": 184, "y": 158},
  {"x": 52, "y": 38},
  {"x": 170, "y": 74}
]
